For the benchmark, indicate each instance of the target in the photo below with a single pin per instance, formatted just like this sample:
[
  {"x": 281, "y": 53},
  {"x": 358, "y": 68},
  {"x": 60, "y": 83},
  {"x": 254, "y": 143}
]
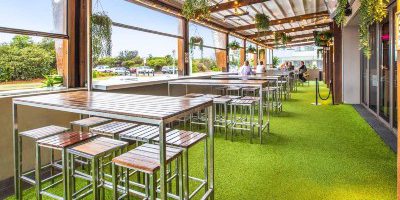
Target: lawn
[{"x": 312, "y": 152}]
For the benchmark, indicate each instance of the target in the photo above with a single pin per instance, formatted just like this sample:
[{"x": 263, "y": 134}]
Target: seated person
[
  {"x": 260, "y": 68},
  {"x": 302, "y": 70},
  {"x": 245, "y": 70}
]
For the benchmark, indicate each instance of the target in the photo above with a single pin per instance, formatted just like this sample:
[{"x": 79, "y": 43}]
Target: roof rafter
[
  {"x": 304, "y": 28},
  {"x": 234, "y": 4},
  {"x": 293, "y": 37},
  {"x": 287, "y": 20},
  {"x": 297, "y": 41}
]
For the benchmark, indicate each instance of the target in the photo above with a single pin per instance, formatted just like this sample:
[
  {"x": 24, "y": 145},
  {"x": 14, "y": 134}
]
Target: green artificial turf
[{"x": 312, "y": 152}]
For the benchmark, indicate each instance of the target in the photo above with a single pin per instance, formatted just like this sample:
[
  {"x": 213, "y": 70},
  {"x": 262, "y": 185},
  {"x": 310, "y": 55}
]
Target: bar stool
[
  {"x": 271, "y": 97},
  {"x": 146, "y": 159},
  {"x": 220, "y": 90},
  {"x": 112, "y": 129},
  {"x": 233, "y": 90},
  {"x": 58, "y": 142},
  {"x": 185, "y": 140},
  {"x": 95, "y": 150},
  {"x": 221, "y": 114},
  {"x": 89, "y": 122},
  {"x": 245, "y": 120},
  {"x": 35, "y": 135},
  {"x": 250, "y": 91}
]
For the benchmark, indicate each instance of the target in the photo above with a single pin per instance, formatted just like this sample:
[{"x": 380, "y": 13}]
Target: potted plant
[
  {"x": 234, "y": 45},
  {"x": 195, "y": 41},
  {"x": 196, "y": 9},
  {"x": 323, "y": 38},
  {"x": 262, "y": 21},
  {"x": 282, "y": 38},
  {"x": 251, "y": 49},
  {"x": 275, "y": 61}
]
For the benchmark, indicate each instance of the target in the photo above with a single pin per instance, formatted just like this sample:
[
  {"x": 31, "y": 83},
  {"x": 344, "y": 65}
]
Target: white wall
[{"x": 351, "y": 65}]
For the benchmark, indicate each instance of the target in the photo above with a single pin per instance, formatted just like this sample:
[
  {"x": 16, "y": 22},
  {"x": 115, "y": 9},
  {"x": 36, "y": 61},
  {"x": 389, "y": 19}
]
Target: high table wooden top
[
  {"x": 119, "y": 106},
  {"x": 249, "y": 77},
  {"x": 255, "y": 83}
]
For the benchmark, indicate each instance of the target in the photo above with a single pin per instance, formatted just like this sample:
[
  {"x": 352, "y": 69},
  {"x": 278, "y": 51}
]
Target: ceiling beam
[
  {"x": 295, "y": 42},
  {"x": 297, "y": 45},
  {"x": 286, "y": 20},
  {"x": 293, "y": 37},
  {"x": 304, "y": 28},
  {"x": 234, "y": 4}
]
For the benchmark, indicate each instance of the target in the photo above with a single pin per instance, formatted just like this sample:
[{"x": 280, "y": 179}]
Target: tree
[
  {"x": 127, "y": 55},
  {"x": 22, "y": 59}
]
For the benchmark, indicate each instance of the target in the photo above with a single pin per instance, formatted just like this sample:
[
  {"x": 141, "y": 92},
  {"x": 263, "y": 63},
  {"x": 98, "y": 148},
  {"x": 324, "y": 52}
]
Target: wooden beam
[
  {"x": 293, "y": 37},
  {"x": 297, "y": 41},
  {"x": 300, "y": 44},
  {"x": 234, "y": 4},
  {"x": 305, "y": 28},
  {"x": 286, "y": 20}
]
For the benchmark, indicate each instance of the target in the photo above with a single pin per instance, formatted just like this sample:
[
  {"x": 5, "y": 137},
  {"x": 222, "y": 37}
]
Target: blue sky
[{"x": 38, "y": 16}]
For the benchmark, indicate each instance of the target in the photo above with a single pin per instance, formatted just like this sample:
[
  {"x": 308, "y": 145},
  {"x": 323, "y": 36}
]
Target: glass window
[
  {"x": 26, "y": 61},
  {"x": 137, "y": 55},
  {"x": 384, "y": 72},
  {"x": 210, "y": 60},
  {"x": 210, "y": 37},
  {"x": 394, "y": 66},
  {"x": 44, "y": 16},
  {"x": 128, "y": 13},
  {"x": 373, "y": 71}
]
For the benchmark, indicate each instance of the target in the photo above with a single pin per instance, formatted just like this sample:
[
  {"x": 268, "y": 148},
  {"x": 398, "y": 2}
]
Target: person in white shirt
[
  {"x": 245, "y": 70},
  {"x": 260, "y": 68}
]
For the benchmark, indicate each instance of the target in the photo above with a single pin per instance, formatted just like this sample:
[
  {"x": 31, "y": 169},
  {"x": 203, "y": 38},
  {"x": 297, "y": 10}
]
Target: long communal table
[
  {"x": 241, "y": 83},
  {"x": 249, "y": 77},
  {"x": 155, "y": 110}
]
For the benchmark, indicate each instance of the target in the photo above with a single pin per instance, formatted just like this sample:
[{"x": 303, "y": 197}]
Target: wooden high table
[
  {"x": 241, "y": 83},
  {"x": 155, "y": 110}
]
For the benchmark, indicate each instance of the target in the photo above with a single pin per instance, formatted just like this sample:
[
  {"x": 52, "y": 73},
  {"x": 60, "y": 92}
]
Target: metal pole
[
  {"x": 316, "y": 91},
  {"x": 163, "y": 180},
  {"x": 17, "y": 172},
  {"x": 211, "y": 140}
]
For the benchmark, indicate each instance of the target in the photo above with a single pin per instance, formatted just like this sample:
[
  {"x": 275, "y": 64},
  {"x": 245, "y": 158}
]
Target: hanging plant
[
  {"x": 196, "y": 9},
  {"x": 370, "y": 12},
  {"x": 323, "y": 38},
  {"x": 281, "y": 39},
  {"x": 340, "y": 12},
  {"x": 196, "y": 41},
  {"x": 234, "y": 45},
  {"x": 262, "y": 22},
  {"x": 101, "y": 27},
  {"x": 251, "y": 49}
]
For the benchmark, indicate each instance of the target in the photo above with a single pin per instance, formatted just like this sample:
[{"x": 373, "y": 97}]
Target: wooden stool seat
[
  {"x": 97, "y": 146},
  {"x": 184, "y": 139},
  {"x": 43, "y": 132},
  {"x": 112, "y": 129},
  {"x": 193, "y": 95},
  {"x": 250, "y": 98},
  {"x": 242, "y": 102},
  {"x": 145, "y": 158},
  {"x": 270, "y": 89},
  {"x": 230, "y": 97},
  {"x": 250, "y": 89},
  {"x": 142, "y": 133},
  {"x": 65, "y": 139},
  {"x": 91, "y": 121},
  {"x": 221, "y": 100}
]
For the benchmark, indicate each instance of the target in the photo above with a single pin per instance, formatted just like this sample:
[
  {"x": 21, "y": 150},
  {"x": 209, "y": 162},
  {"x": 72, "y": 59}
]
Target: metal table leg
[
  {"x": 260, "y": 114},
  {"x": 211, "y": 140},
  {"x": 163, "y": 180}
]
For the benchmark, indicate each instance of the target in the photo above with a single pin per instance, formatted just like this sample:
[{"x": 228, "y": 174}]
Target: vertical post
[
  {"x": 316, "y": 91},
  {"x": 17, "y": 181},
  {"x": 210, "y": 118},
  {"x": 227, "y": 51},
  {"x": 163, "y": 172}
]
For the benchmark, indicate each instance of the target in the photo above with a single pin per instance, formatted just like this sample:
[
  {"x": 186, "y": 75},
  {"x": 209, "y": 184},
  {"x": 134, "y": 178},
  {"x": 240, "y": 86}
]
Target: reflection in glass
[
  {"x": 384, "y": 73},
  {"x": 373, "y": 72}
]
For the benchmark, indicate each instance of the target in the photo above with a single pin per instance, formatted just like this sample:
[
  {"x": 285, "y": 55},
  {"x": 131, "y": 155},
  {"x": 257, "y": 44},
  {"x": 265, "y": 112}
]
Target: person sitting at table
[
  {"x": 246, "y": 70},
  {"x": 290, "y": 66},
  {"x": 283, "y": 66},
  {"x": 302, "y": 70},
  {"x": 260, "y": 68}
]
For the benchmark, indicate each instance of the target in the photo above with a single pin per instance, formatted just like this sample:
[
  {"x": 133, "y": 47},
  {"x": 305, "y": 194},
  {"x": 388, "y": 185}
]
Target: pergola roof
[{"x": 297, "y": 18}]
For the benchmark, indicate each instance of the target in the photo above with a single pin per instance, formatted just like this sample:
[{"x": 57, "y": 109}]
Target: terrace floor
[{"x": 313, "y": 152}]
